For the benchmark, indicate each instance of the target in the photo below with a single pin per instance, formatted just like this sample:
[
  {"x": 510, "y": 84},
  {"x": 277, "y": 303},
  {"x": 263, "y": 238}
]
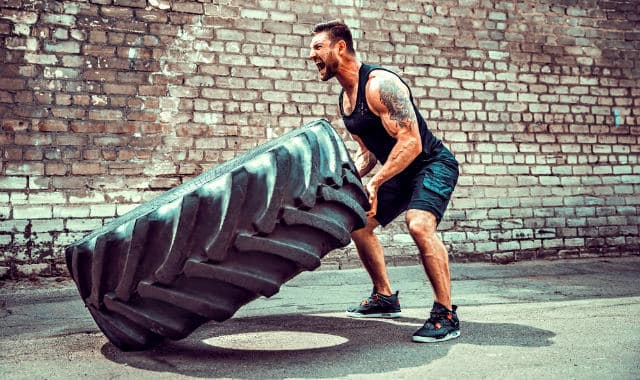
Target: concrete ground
[{"x": 576, "y": 319}]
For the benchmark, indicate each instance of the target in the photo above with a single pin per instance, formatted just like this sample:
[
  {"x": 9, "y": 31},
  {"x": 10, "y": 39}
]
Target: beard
[{"x": 330, "y": 67}]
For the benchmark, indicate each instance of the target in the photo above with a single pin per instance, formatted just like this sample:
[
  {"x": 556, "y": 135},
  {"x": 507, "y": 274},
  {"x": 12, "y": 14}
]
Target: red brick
[
  {"x": 131, "y": 3},
  {"x": 31, "y": 154},
  {"x": 126, "y": 169},
  {"x": 6, "y": 97},
  {"x": 98, "y": 50},
  {"x": 125, "y": 128},
  {"x": 105, "y": 114},
  {"x": 155, "y": 90},
  {"x": 86, "y": 126},
  {"x": 150, "y": 128},
  {"x": 70, "y": 140},
  {"x": 149, "y": 65},
  {"x": 111, "y": 140},
  {"x": 98, "y": 37},
  {"x": 52, "y": 125},
  {"x": 126, "y": 155},
  {"x": 12, "y": 84},
  {"x": 188, "y": 7},
  {"x": 13, "y": 154},
  {"x": 99, "y": 75},
  {"x": 151, "y": 16},
  {"x": 68, "y": 112},
  {"x": 132, "y": 77},
  {"x": 33, "y": 139},
  {"x": 109, "y": 155},
  {"x": 86, "y": 168},
  {"x": 68, "y": 182},
  {"x": 142, "y": 116},
  {"x": 116, "y": 12},
  {"x": 123, "y": 89},
  {"x": 14, "y": 125},
  {"x": 81, "y": 100},
  {"x": 134, "y": 53},
  {"x": 91, "y": 154},
  {"x": 24, "y": 97},
  {"x": 43, "y": 97},
  {"x": 129, "y": 26},
  {"x": 55, "y": 169},
  {"x": 164, "y": 29}
]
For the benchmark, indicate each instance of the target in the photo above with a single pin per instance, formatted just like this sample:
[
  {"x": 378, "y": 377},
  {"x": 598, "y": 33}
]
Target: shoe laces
[
  {"x": 436, "y": 318},
  {"x": 373, "y": 298}
]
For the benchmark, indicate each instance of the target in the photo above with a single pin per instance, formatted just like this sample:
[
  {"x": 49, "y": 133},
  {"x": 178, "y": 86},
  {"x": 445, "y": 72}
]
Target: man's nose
[{"x": 312, "y": 54}]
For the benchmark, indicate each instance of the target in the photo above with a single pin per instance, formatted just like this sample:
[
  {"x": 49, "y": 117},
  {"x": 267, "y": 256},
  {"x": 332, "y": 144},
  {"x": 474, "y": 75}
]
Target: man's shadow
[{"x": 347, "y": 346}]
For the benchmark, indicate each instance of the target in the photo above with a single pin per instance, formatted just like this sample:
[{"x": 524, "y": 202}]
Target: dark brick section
[{"x": 106, "y": 104}]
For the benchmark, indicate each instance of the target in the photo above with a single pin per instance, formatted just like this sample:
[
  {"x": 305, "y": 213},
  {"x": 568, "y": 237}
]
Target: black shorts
[{"x": 429, "y": 190}]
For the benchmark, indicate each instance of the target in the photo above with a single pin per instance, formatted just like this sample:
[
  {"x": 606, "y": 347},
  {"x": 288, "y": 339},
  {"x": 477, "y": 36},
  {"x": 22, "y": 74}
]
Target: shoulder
[
  {"x": 385, "y": 82},
  {"x": 384, "y": 87}
]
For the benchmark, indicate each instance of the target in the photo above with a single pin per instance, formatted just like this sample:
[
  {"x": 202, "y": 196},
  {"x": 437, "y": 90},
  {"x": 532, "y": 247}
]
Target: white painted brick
[
  {"x": 9, "y": 182},
  {"x": 5, "y": 211},
  {"x": 89, "y": 197},
  {"x": 254, "y": 13},
  {"x": 68, "y": 211},
  {"x": 32, "y": 212},
  {"x": 46, "y": 198},
  {"x": 107, "y": 210},
  {"x": 47, "y": 225},
  {"x": 487, "y": 246},
  {"x": 4, "y": 241},
  {"x": 402, "y": 238},
  {"x": 13, "y": 225},
  {"x": 509, "y": 246},
  {"x": 75, "y": 225}
]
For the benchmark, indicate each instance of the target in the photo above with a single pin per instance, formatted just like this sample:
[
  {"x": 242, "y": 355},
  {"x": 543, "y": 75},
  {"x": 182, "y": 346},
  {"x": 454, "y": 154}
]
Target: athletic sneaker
[
  {"x": 443, "y": 324},
  {"x": 377, "y": 306}
]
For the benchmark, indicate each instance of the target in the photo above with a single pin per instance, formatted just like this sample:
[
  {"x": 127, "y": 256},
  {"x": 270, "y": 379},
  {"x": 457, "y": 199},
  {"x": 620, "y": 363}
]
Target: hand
[{"x": 372, "y": 193}]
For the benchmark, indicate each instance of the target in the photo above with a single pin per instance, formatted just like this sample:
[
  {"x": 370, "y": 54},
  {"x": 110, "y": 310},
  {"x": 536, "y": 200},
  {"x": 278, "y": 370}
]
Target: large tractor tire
[{"x": 211, "y": 245}]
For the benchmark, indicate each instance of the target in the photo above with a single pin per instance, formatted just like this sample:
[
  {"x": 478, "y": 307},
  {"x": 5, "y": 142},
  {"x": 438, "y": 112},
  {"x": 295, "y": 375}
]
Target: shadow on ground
[{"x": 364, "y": 347}]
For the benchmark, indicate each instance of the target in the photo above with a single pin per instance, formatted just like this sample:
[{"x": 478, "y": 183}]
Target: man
[{"x": 418, "y": 175}]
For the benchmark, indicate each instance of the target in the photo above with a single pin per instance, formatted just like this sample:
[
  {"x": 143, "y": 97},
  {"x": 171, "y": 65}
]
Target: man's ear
[{"x": 342, "y": 47}]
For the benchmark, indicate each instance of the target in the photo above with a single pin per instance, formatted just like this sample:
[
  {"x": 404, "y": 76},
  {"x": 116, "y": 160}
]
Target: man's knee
[
  {"x": 365, "y": 231},
  {"x": 421, "y": 223}
]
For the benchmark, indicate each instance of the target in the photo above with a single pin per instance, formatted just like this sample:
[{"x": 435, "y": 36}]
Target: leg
[
  {"x": 372, "y": 256},
  {"x": 433, "y": 254}
]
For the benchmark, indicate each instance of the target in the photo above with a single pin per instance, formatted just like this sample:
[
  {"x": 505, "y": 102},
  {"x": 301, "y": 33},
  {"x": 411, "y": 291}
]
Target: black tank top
[{"x": 366, "y": 125}]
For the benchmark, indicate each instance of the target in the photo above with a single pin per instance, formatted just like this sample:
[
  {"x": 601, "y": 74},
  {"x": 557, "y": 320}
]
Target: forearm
[
  {"x": 401, "y": 156},
  {"x": 365, "y": 162}
]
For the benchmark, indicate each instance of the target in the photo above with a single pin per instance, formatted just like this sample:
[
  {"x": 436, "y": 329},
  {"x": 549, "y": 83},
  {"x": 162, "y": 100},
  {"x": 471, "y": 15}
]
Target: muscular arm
[
  {"x": 389, "y": 98},
  {"x": 364, "y": 160}
]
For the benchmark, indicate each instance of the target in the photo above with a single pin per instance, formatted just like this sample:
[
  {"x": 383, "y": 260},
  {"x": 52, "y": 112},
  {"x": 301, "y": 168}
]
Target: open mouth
[{"x": 320, "y": 65}]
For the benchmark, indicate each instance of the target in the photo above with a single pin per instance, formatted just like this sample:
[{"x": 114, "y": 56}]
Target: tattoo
[{"x": 397, "y": 102}]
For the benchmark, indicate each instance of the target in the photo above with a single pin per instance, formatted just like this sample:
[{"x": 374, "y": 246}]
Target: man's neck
[{"x": 347, "y": 76}]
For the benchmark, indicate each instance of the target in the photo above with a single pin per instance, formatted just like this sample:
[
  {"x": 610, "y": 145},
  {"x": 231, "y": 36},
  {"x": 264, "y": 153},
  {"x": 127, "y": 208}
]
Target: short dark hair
[{"x": 337, "y": 30}]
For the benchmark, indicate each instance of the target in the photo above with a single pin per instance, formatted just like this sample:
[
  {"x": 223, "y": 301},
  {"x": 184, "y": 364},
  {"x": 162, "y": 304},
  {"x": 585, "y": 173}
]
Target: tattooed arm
[{"x": 389, "y": 99}]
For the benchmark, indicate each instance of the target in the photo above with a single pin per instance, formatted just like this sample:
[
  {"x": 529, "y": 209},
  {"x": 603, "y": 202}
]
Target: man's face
[{"x": 324, "y": 55}]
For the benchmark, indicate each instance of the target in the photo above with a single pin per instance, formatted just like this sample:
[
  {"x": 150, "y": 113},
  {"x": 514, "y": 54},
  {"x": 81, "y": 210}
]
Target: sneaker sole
[
  {"x": 424, "y": 339},
  {"x": 373, "y": 315}
]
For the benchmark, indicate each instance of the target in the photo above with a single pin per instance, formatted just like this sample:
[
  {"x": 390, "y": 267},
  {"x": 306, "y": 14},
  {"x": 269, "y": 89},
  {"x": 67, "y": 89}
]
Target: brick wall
[{"x": 105, "y": 104}]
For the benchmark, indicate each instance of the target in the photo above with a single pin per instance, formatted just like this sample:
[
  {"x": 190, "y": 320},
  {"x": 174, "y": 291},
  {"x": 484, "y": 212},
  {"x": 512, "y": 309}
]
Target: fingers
[
  {"x": 372, "y": 194},
  {"x": 373, "y": 202}
]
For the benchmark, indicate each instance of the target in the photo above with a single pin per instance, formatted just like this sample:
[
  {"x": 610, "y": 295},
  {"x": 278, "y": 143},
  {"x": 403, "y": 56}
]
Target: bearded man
[{"x": 418, "y": 175}]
